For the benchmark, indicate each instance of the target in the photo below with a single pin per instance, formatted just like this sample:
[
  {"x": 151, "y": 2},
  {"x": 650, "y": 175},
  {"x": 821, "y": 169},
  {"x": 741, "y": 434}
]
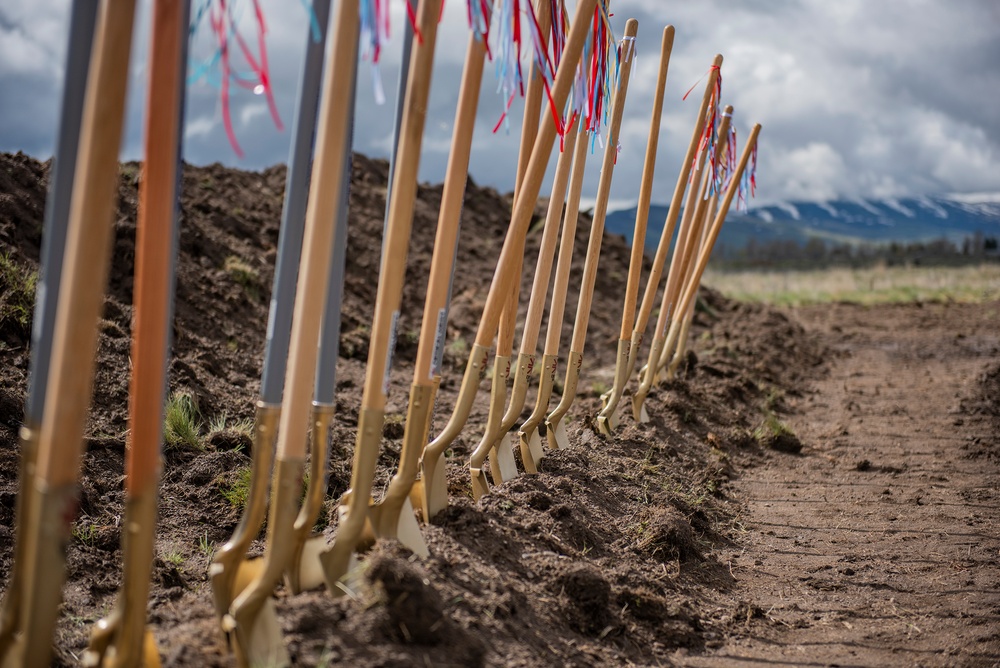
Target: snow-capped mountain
[{"x": 875, "y": 221}]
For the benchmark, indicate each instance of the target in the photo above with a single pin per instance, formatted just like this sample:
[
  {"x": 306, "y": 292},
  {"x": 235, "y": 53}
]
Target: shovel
[
  {"x": 258, "y": 638},
  {"x": 435, "y": 492},
  {"x": 52, "y": 495},
  {"x": 653, "y": 282},
  {"x": 355, "y": 514},
  {"x": 681, "y": 256},
  {"x": 691, "y": 290},
  {"x": 122, "y": 639},
  {"x": 711, "y": 209},
  {"x": 628, "y": 344},
  {"x": 698, "y": 225},
  {"x": 533, "y": 320},
  {"x": 304, "y": 572},
  {"x": 687, "y": 242},
  {"x": 229, "y": 572},
  {"x": 393, "y": 517},
  {"x": 502, "y": 463},
  {"x": 81, "y": 33},
  {"x": 555, "y": 426},
  {"x": 528, "y": 438}
]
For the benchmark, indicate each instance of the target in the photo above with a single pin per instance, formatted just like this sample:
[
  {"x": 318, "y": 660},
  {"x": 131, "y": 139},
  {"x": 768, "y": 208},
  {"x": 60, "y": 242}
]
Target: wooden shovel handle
[
  {"x": 88, "y": 247},
  {"x": 533, "y": 104},
  {"x": 443, "y": 259},
  {"x": 524, "y": 205},
  {"x": 532, "y": 98},
  {"x": 653, "y": 282},
  {"x": 404, "y": 193},
  {"x": 547, "y": 246},
  {"x": 317, "y": 255},
  {"x": 720, "y": 218},
  {"x": 567, "y": 241},
  {"x": 154, "y": 246},
  {"x": 646, "y": 188},
  {"x": 603, "y": 189}
]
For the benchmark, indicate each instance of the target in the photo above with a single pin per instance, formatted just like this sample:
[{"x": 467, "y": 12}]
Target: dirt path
[{"x": 878, "y": 545}]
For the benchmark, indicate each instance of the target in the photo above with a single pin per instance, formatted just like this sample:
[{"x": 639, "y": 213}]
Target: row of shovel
[{"x": 296, "y": 403}]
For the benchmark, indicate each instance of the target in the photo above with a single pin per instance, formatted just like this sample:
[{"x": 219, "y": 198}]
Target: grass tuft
[
  {"x": 238, "y": 491},
  {"x": 243, "y": 274},
  {"x": 17, "y": 294},
  {"x": 182, "y": 422}
]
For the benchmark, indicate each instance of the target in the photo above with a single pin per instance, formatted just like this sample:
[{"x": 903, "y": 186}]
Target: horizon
[{"x": 857, "y": 100}]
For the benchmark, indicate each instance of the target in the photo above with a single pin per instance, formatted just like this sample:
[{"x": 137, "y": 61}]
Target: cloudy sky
[{"x": 858, "y": 98}]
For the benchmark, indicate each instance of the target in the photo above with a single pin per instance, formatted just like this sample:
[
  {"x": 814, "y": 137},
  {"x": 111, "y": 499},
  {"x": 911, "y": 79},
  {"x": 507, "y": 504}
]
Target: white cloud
[{"x": 857, "y": 98}]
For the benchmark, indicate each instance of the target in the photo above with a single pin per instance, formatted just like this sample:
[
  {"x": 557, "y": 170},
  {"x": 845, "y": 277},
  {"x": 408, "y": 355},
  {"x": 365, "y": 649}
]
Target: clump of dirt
[
  {"x": 586, "y": 600},
  {"x": 665, "y": 534},
  {"x": 607, "y": 556}
]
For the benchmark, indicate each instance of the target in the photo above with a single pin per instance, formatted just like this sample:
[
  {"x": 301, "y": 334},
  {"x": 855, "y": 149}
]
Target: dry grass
[{"x": 875, "y": 285}]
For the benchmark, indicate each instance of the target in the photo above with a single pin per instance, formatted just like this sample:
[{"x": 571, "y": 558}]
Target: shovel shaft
[
  {"x": 698, "y": 202},
  {"x": 511, "y": 252},
  {"x": 513, "y": 246},
  {"x": 547, "y": 246},
  {"x": 532, "y": 98},
  {"x": 88, "y": 249},
  {"x": 646, "y": 188},
  {"x": 154, "y": 244},
  {"x": 83, "y": 17},
  {"x": 656, "y": 272},
  {"x": 720, "y": 217},
  {"x": 567, "y": 244},
  {"x": 293, "y": 213},
  {"x": 533, "y": 101},
  {"x": 446, "y": 236},
  {"x": 310, "y": 293},
  {"x": 404, "y": 190},
  {"x": 329, "y": 347},
  {"x": 57, "y": 204},
  {"x": 686, "y": 241},
  {"x": 119, "y": 640},
  {"x": 603, "y": 190},
  {"x": 397, "y": 119}
]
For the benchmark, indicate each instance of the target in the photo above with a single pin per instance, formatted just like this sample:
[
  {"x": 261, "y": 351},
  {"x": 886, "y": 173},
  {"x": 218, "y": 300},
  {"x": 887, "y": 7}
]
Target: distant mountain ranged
[{"x": 854, "y": 222}]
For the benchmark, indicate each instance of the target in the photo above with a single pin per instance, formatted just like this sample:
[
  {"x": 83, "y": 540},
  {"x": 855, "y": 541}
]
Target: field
[
  {"x": 819, "y": 486},
  {"x": 875, "y": 285}
]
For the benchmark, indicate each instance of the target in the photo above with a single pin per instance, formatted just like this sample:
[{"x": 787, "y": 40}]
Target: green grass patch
[
  {"x": 17, "y": 294},
  {"x": 243, "y": 274},
  {"x": 237, "y": 492},
  {"x": 182, "y": 422}
]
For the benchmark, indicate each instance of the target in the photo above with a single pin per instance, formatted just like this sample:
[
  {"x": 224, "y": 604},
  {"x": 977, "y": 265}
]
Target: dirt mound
[{"x": 606, "y": 557}]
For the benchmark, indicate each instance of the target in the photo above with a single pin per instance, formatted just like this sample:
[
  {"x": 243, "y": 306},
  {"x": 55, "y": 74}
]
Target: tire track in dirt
[{"x": 878, "y": 545}]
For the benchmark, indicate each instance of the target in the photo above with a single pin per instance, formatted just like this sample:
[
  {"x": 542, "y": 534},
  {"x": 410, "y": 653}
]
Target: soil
[{"x": 861, "y": 533}]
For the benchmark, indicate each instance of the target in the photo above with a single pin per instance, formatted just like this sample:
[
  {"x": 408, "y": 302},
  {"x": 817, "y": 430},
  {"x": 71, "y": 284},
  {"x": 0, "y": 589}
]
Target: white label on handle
[
  {"x": 439, "y": 334},
  {"x": 389, "y": 352}
]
